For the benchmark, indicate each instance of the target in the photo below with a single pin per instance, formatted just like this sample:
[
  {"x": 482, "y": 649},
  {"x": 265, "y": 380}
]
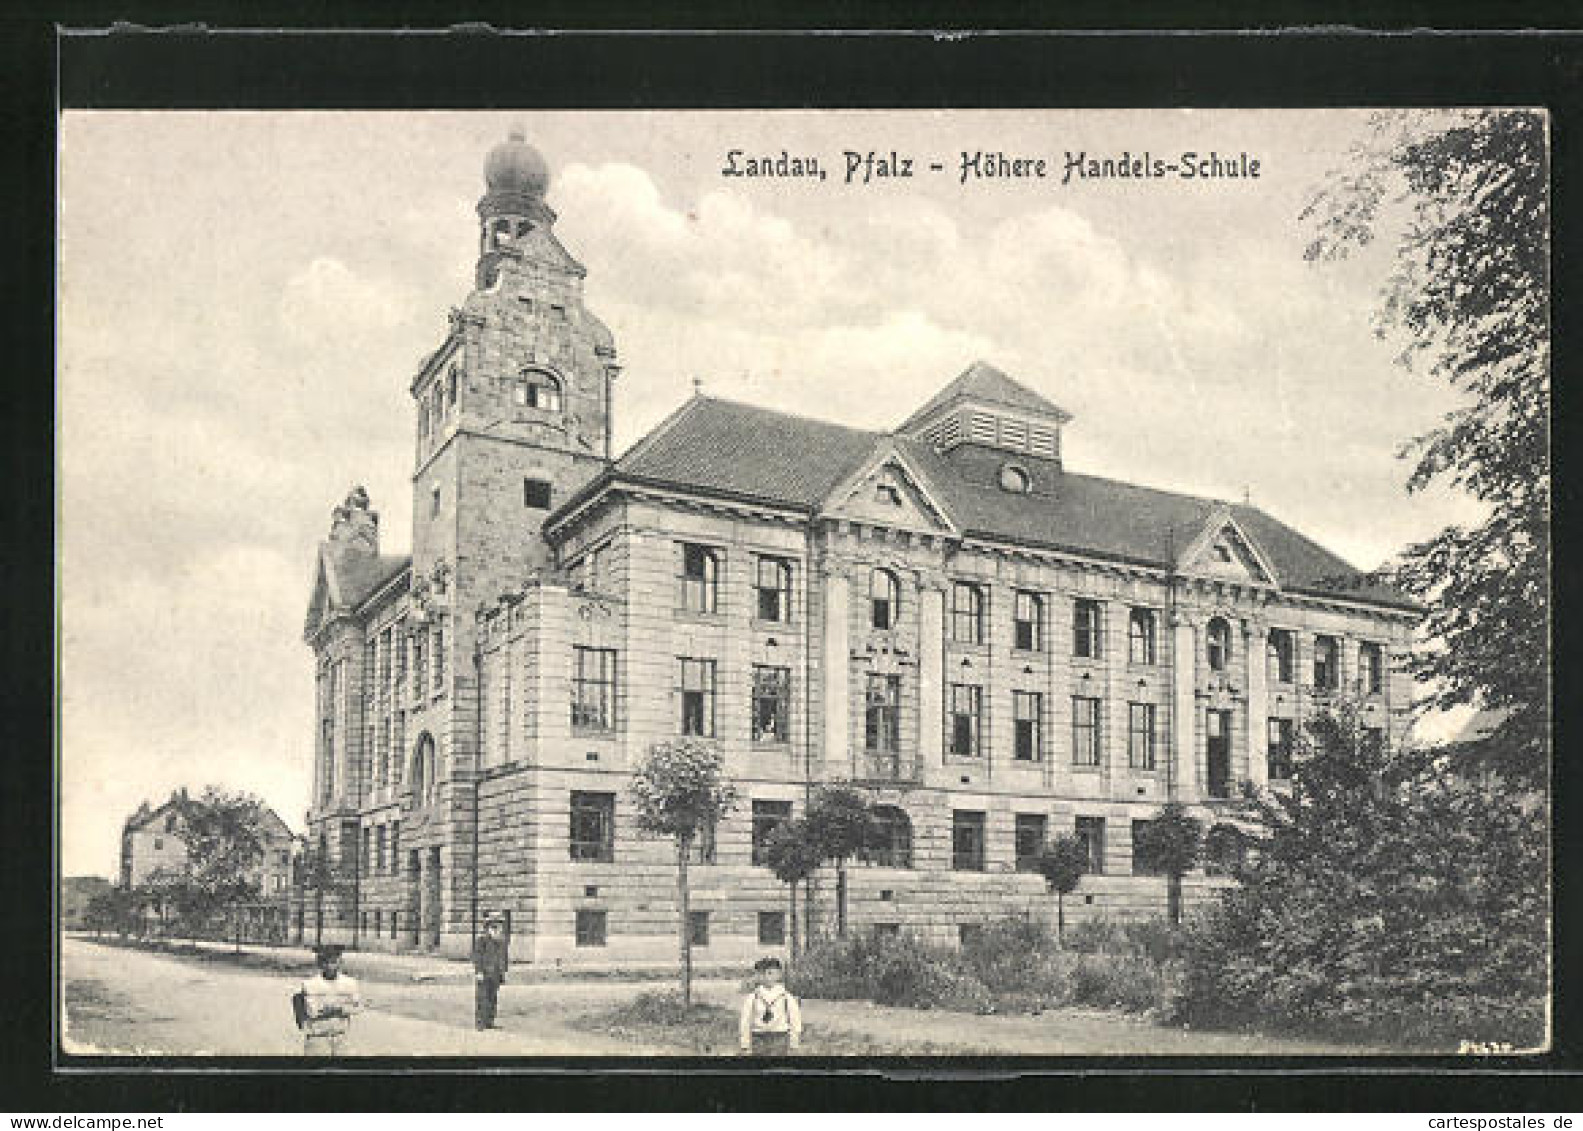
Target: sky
[{"x": 244, "y": 298}]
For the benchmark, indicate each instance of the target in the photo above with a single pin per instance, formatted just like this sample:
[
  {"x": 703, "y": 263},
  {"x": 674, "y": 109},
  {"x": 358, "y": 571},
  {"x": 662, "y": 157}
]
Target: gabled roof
[
  {"x": 345, "y": 577},
  {"x": 737, "y": 451},
  {"x": 981, "y": 381}
]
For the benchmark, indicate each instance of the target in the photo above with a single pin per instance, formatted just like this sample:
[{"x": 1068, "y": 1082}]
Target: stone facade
[{"x": 483, "y": 704}]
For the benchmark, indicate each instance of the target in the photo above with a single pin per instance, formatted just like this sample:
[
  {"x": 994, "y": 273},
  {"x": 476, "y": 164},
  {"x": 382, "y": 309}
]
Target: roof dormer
[{"x": 983, "y": 406}]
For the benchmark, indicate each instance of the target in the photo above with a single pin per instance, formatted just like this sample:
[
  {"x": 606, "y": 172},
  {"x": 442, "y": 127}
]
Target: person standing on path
[
  {"x": 771, "y": 1019},
  {"x": 490, "y": 961},
  {"x": 329, "y": 999}
]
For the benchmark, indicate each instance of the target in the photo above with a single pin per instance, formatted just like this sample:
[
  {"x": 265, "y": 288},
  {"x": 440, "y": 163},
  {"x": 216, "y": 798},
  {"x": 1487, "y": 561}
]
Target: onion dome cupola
[{"x": 516, "y": 178}]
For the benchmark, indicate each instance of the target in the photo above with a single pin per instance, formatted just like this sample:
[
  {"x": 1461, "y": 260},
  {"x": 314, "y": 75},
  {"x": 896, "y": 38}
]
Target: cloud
[{"x": 326, "y": 303}]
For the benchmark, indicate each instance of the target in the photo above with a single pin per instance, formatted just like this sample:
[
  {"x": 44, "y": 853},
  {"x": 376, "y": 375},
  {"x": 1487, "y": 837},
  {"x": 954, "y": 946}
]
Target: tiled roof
[
  {"x": 359, "y": 574},
  {"x": 737, "y": 449},
  {"x": 983, "y": 382},
  {"x": 721, "y": 447}
]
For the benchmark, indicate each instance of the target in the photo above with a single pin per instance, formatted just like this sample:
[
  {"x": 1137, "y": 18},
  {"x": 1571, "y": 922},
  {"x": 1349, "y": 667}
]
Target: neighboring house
[
  {"x": 152, "y": 848},
  {"x": 998, "y": 648},
  {"x": 76, "y": 893}
]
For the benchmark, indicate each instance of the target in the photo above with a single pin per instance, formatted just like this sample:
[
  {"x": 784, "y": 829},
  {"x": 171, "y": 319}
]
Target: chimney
[{"x": 354, "y": 525}]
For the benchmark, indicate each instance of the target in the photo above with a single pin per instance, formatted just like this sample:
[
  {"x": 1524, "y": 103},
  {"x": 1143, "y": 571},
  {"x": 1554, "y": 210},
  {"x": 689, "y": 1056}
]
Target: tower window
[
  {"x": 434, "y": 501},
  {"x": 540, "y": 390},
  {"x": 536, "y": 494}
]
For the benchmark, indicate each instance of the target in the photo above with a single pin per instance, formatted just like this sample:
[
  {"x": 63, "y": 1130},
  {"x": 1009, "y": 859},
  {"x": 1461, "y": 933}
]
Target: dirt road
[{"x": 126, "y": 1000}]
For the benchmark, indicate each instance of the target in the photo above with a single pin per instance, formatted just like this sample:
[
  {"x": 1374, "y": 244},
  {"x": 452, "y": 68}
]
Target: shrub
[
  {"x": 1013, "y": 965},
  {"x": 1392, "y": 901}
]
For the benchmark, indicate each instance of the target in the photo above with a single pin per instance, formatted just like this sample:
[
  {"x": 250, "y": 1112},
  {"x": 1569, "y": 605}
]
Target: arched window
[
  {"x": 540, "y": 390},
  {"x": 890, "y": 838},
  {"x": 1225, "y": 851},
  {"x": 884, "y": 598},
  {"x": 1219, "y": 645},
  {"x": 425, "y": 783}
]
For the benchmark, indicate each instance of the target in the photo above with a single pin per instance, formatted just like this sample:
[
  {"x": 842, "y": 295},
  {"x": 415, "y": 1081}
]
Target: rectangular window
[
  {"x": 967, "y": 840},
  {"x": 767, "y": 816},
  {"x": 700, "y": 578},
  {"x": 965, "y": 721},
  {"x": 591, "y": 926},
  {"x": 536, "y": 494},
  {"x": 1327, "y": 673},
  {"x": 1140, "y": 865},
  {"x": 1091, "y": 832},
  {"x": 439, "y": 654},
  {"x": 771, "y": 704},
  {"x": 967, "y": 613},
  {"x": 384, "y": 661},
  {"x": 381, "y": 845},
  {"x": 593, "y": 832},
  {"x": 887, "y": 930},
  {"x": 1027, "y": 710},
  {"x": 696, "y": 693},
  {"x": 1141, "y": 626},
  {"x": 368, "y": 850},
  {"x": 420, "y": 666},
  {"x": 1085, "y": 628},
  {"x": 395, "y": 847},
  {"x": 698, "y": 928},
  {"x": 772, "y": 928},
  {"x": 1031, "y": 829},
  {"x": 1280, "y": 749},
  {"x": 434, "y": 501},
  {"x": 1085, "y": 731},
  {"x": 969, "y": 934},
  {"x": 772, "y": 584},
  {"x": 1278, "y": 656},
  {"x": 1141, "y": 738},
  {"x": 1028, "y": 622},
  {"x": 1371, "y": 668},
  {"x": 594, "y": 688},
  {"x": 882, "y": 714}
]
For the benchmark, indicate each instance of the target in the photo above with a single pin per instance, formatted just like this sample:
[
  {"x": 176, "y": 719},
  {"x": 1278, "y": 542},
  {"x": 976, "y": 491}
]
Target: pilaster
[
  {"x": 837, "y": 671},
  {"x": 1184, "y": 734}
]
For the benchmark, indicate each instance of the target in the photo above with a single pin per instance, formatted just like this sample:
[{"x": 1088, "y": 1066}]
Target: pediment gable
[
  {"x": 887, "y": 490},
  {"x": 324, "y": 598},
  {"x": 1223, "y": 550}
]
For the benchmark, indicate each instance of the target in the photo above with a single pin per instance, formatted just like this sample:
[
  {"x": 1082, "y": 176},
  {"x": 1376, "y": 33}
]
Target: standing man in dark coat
[{"x": 490, "y": 961}]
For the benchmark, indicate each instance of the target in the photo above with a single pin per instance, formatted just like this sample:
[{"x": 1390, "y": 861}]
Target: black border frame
[{"x": 46, "y": 68}]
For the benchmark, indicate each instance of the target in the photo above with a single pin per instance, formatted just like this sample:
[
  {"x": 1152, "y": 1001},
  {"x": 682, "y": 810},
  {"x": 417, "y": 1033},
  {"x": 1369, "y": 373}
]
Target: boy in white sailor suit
[
  {"x": 771, "y": 1019},
  {"x": 329, "y": 999}
]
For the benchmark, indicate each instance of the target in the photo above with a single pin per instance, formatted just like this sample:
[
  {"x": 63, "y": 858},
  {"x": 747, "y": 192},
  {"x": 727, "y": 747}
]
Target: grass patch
[{"x": 704, "y": 1029}]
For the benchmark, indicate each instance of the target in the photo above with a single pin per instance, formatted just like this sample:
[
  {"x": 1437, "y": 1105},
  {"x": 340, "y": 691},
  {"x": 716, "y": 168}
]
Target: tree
[
  {"x": 318, "y": 873},
  {"x": 840, "y": 821},
  {"x": 680, "y": 790},
  {"x": 1389, "y": 896},
  {"x": 1465, "y": 195},
  {"x": 224, "y": 834},
  {"x": 1169, "y": 844},
  {"x": 114, "y": 909},
  {"x": 793, "y": 855},
  {"x": 1062, "y": 862}
]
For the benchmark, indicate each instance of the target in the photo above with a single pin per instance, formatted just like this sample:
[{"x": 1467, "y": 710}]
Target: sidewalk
[{"x": 387, "y": 967}]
